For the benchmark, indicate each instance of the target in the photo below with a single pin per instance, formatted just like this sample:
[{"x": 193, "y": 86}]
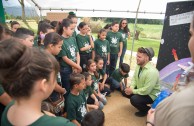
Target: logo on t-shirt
[
  {"x": 82, "y": 109},
  {"x": 104, "y": 50},
  {"x": 123, "y": 35},
  {"x": 114, "y": 40}
]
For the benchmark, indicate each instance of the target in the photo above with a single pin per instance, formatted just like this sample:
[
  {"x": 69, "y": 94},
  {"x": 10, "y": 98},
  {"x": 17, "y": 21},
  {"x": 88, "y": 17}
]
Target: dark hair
[
  {"x": 107, "y": 26},
  {"x": 43, "y": 27},
  {"x": 86, "y": 74},
  {"x": 65, "y": 23},
  {"x": 23, "y": 33},
  {"x": 14, "y": 23},
  {"x": 126, "y": 29},
  {"x": 54, "y": 23},
  {"x": 101, "y": 30},
  {"x": 142, "y": 50},
  {"x": 93, "y": 118},
  {"x": 98, "y": 58},
  {"x": 75, "y": 78},
  {"x": 125, "y": 67},
  {"x": 52, "y": 38},
  {"x": 90, "y": 61},
  {"x": 47, "y": 21},
  {"x": 81, "y": 25},
  {"x": 114, "y": 23},
  {"x": 8, "y": 32},
  {"x": 71, "y": 15},
  {"x": 23, "y": 66}
]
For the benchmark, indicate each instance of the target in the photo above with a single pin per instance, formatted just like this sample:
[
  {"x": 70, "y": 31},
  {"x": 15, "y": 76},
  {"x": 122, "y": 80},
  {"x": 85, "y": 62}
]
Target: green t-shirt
[
  {"x": 76, "y": 106},
  {"x": 36, "y": 41},
  {"x": 1, "y": 90},
  {"x": 94, "y": 83},
  {"x": 118, "y": 76},
  {"x": 124, "y": 36},
  {"x": 114, "y": 39},
  {"x": 88, "y": 91},
  {"x": 74, "y": 34},
  {"x": 101, "y": 73},
  {"x": 69, "y": 49},
  {"x": 83, "y": 41},
  {"x": 44, "y": 120},
  {"x": 101, "y": 47}
]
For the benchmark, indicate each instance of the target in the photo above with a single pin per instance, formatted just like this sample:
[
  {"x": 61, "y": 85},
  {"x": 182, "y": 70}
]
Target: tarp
[{"x": 149, "y": 9}]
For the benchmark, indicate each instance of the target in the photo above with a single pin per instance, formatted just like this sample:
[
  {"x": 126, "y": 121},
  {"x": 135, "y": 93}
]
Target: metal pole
[{"x": 134, "y": 31}]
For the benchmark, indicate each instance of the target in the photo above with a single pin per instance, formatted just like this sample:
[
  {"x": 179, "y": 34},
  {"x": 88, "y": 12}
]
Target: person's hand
[
  {"x": 95, "y": 107},
  {"x": 79, "y": 70},
  {"x": 119, "y": 54},
  {"x": 96, "y": 102},
  {"x": 128, "y": 91},
  {"x": 108, "y": 62},
  {"x": 64, "y": 91},
  {"x": 89, "y": 47},
  {"x": 150, "y": 115}
]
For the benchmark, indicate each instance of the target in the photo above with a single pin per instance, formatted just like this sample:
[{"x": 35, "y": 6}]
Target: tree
[{"x": 23, "y": 10}]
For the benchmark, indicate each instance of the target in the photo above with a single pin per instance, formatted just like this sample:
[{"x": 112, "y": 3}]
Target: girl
[
  {"x": 95, "y": 87},
  {"x": 102, "y": 48},
  {"x": 73, "y": 18},
  {"x": 43, "y": 29},
  {"x": 69, "y": 55},
  {"x": 85, "y": 45},
  {"x": 102, "y": 76},
  {"x": 36, "y": 71},
  {"x": 92, "y": 101},
  {"x": 53, "y": 43},
  {"x": 116, "y": 45},
  {"x": 125, "y": 32}
]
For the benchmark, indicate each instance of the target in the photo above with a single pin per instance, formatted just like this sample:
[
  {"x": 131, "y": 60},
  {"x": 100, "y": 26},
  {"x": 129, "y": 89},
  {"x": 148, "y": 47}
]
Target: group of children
[{"x": 87, "y": 68}]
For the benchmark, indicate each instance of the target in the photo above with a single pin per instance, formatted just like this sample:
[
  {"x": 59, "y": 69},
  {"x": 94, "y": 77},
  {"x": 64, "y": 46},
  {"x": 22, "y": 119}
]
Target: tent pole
[
  {"x": 40, "y": 14},
  {"x": 134, "y": 31}
]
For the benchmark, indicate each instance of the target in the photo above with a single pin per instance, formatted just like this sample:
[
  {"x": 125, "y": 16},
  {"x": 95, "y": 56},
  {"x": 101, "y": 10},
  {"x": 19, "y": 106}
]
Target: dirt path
[{"x": 120, "y": 112}]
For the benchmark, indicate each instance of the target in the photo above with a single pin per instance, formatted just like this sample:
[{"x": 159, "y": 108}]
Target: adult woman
[{"x": 125, "y": 32}]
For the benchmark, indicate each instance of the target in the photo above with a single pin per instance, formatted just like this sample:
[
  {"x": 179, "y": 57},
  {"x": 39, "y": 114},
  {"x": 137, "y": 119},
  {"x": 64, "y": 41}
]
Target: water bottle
[{"x": 163, "y": 94}]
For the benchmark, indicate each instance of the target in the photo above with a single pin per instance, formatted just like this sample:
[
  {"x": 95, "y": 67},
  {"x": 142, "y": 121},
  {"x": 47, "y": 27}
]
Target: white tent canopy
[{"x": 149, "y": 9}]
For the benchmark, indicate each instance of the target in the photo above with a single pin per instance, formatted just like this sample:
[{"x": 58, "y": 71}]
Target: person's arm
[
  {"x": 93, "y": 54},
  {"x": 78, "y": 58},
  {"x": 125, "y": 81},
  {"x": 85, "y": 48},
  {"x": 151, "y": 80},
  {"x": 91, "y": 41},
  {"x": 59, "y": 89},
  {"x": 5, "y": 99},
  {"x": 71, "y": 63},
  {"x": 121, "y": 48},
  {"x": 150, "y": 117},
  {"x": 76, "y": 122},
  {"x": 108, "y": 61}
]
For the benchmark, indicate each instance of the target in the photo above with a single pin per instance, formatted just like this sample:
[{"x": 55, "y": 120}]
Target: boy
[
  {"x": 26, "y": 36},
  {"x": 117, "y": 76},
  {"x": 76, "y": 100}
]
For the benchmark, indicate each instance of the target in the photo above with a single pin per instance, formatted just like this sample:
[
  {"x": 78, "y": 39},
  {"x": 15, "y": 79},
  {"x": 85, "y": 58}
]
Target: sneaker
[{"x": 141, "y": 114}]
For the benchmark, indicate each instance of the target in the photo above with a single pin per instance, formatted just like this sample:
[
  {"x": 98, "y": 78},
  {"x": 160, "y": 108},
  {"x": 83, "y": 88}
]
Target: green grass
[{"x": 144, "y": 42}]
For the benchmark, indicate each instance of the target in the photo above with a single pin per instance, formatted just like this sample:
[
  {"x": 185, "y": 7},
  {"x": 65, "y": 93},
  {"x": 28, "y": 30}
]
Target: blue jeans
[
  {"x": 122, "y": 55},
  {"x": 113, "y": 63},
  {"x": 114, "y": 84},
  {"x": 65, "y": 77}
]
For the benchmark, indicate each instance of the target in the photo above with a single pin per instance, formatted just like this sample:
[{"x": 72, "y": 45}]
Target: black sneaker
[{"x": 141, "y": 114}]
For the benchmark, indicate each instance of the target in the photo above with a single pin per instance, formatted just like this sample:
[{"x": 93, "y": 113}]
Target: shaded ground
[{"x": 120, "y": 112}]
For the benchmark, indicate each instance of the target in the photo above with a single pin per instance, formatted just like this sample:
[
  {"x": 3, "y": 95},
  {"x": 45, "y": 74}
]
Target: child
[
  {"x": 85, "y": 45},
  {"x": 54, "y": 24},
  {"x": 43, "y": 29},
  {"x": 94, "y": 118},
  {"x": 102, "y": 48},
  {"x": 69, "y": 55},
  {"x": 95, "y": 87},
  {"x": 116, "y": 45},
  {"x": 117, "y": 76},
  {"x": 73, "y": 18},
  {"x": 125, "y": 32},
  {"x": 102, "y": 76},
  {"x": 36, "y": 71},
  {"x": 26, "y": 36},
  {"x": 76, "y": 100},
  {"x": 14, "y": 26},
  {"x": 53, "y": 43},
  {"x": 92, "y": 101}
]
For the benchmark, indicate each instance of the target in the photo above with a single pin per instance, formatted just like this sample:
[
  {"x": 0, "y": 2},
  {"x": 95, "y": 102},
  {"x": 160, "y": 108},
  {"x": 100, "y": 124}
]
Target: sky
[{"x": 109, "y": 5}]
